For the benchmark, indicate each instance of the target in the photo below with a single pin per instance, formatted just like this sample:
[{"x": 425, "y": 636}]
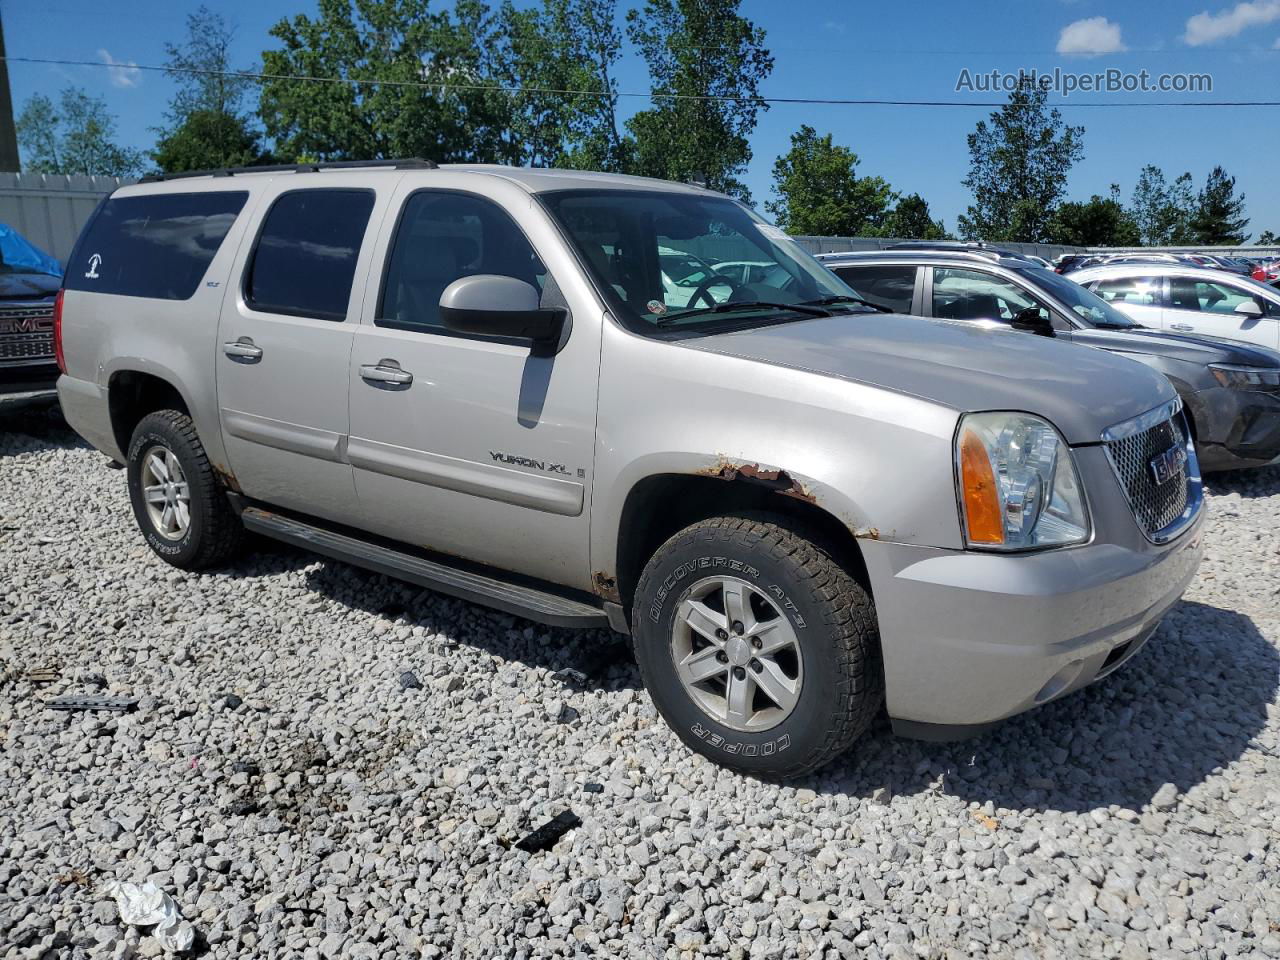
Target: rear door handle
[
  {"x": 386, "y": 371},
  {"x": 1186, "y": 327},
  {"x": 242, "y": 349}
]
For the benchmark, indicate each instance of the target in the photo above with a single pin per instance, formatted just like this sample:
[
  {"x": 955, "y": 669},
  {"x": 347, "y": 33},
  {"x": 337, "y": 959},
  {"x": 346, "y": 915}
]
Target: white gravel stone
[{"x": 1137, "y": 818}]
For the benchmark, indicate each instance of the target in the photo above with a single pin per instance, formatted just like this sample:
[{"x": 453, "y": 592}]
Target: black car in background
[
  {"x": 1230, "y": 390},
  {"x": 29, "y": 282}
]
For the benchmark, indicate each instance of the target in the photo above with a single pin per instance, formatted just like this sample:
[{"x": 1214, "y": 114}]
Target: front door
[
  {"x": 469, "y": 445},
  {"x": 284, "y": 342},
  {"x": 1207, "y": 306}
]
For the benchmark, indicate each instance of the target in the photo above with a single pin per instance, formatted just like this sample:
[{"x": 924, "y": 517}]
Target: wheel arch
[
  {"x": 661, "y": 504},
  {"x": 132, "y": 394}
]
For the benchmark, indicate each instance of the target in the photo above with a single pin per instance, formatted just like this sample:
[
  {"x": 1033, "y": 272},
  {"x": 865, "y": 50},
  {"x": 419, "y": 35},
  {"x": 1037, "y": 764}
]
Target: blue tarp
[{"x": 17, "y": 252}]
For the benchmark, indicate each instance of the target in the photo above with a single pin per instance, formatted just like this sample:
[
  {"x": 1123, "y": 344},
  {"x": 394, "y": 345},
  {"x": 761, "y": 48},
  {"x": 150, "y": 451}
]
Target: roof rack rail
[
  {"x": 987, "y": 255},
  {"x": 407, "y": 163}
]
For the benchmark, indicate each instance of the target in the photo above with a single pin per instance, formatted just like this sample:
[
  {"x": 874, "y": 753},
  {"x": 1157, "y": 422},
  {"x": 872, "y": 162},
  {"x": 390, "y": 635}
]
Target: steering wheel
[{"x": 715, "y": 280}]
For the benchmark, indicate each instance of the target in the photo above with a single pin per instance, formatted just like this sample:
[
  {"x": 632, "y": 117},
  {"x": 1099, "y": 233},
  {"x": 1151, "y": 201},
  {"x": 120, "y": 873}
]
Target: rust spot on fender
[
  {"x": 870, "y": 533},
  {"x": 606, "y": 586},
  {"x": 776, "y": 480}
]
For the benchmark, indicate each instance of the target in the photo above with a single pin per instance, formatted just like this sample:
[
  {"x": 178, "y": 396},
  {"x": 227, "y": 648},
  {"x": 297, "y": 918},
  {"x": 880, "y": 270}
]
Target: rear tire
[
  {"x": 759, "y": 650},
  {"x": 180, "y": 504}
]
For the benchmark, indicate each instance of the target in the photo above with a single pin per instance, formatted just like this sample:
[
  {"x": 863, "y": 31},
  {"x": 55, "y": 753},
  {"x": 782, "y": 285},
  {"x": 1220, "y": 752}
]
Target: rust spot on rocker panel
[
  {"x": 775, "y": 479},
  {"x": 606, "y": 586},
  {"x": 227, "y": 477}
]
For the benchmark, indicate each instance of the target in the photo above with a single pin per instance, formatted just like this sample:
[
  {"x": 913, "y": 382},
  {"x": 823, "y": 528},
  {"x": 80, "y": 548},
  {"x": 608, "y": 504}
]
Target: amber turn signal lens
[{"x": 981, "y": 498}]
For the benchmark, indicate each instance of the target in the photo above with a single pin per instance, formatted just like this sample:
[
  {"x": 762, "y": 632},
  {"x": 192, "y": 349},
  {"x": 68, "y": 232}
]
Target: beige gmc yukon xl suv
[{"x": 800, "y": 507}]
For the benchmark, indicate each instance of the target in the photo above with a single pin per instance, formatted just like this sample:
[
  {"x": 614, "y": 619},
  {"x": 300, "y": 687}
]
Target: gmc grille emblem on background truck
[
  {"x": 1166, "y": 466},
  {"x": 26, "y": 324}
]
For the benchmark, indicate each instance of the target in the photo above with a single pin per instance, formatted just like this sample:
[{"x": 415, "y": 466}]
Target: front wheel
[
  {"x": 179, "y": 502},
  {"x": 758, "y": 649}
]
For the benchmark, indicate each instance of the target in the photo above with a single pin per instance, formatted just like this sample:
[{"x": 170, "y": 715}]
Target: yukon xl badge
[
  {"x": 1166, "y": 466},
  {"x": 544, "y": 465}
]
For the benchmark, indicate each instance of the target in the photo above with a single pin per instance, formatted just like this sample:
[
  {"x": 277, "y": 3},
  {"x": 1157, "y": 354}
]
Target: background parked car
[
  {"x": 1230, "y": 391},
  {"x": 1267, "y": 271},
  {"x": 29, "y": 282},
  {"x": 1186, "y": 299}
]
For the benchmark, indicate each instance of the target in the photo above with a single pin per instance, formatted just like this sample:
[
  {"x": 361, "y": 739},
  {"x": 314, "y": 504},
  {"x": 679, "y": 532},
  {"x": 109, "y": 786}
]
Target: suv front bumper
[{"x": 972, "y": 638}]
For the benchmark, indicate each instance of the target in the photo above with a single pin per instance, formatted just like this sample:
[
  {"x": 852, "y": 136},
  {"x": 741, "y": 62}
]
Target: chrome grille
[
  {"x": 1161, "y": 508},
  {"x": 26, "y": 333}
]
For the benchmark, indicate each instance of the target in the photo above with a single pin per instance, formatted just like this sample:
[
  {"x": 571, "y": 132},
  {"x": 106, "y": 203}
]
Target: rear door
[
  {"x": 1140, "y": 298},
  {"x": 889, "y": 285},
  {"x": 1207, "y": 306},
  {"x": 284, "y": 341},
  {"x": 481, "y": 450}
]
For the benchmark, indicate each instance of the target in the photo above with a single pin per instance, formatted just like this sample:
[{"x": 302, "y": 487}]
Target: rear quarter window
[{"x": 157, "y": 246}]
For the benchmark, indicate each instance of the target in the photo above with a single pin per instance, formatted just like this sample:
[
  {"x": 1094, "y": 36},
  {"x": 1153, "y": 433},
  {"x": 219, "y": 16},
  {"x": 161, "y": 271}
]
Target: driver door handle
[
  {"x": 242, "y": 349},
  {"x": 385, "y": 371},
  {"x": 1185, "y": 327}
]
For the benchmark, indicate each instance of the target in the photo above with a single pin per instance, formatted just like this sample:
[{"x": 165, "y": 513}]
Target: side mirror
[
  {"x": 1034, "y": 320},
  {"x": 1249, "y": 309},
  {"x": 496, "y": 306}
]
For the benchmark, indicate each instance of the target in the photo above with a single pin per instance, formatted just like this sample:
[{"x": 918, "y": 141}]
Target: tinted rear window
[
  {"x": 156, "y": 246},
  {"x": 306, "y": 254}
]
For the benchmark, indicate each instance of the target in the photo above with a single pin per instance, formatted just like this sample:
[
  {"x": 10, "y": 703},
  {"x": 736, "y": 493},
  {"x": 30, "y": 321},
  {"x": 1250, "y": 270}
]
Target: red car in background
[{"x": 1268, "y": 272}]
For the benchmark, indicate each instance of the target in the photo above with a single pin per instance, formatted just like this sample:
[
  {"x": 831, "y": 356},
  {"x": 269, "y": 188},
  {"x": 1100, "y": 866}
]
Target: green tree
[
  {"x": 1162, "y": 211},
  {"x": 1099, "y": 222},
  {"x": 1267, "y": 239},
  {"x": 208, "y": 139},
  {"x": 1219, "y": 218},
  {"x": 563, "y": 45},
  {"x": 77, "y": 135},
  {"x": 819, "y": 192},
  {"x": 911, "y": 220},
  {"x": 1018, "y": 167},
  {"x": 385, "y": 50},
  {"x": 207, "y": 123},
  {"x": 711, "y": 58}
]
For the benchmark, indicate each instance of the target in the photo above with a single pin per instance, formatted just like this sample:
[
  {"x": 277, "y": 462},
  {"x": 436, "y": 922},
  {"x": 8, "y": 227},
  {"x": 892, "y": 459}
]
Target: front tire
[
  {"x": 758, "y": 649},
  {"x": 180, "y": 504}
]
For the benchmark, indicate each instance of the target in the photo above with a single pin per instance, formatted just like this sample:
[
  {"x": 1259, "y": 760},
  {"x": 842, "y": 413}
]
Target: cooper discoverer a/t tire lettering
[{"x": 758, "y": 649}]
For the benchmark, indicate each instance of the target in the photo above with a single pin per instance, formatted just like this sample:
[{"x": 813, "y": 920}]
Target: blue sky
[{"x": 908, "y": 49}]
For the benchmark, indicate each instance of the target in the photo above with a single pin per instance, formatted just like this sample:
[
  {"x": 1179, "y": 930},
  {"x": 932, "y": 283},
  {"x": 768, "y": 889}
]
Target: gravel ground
[{"x": 298, "y": 800}]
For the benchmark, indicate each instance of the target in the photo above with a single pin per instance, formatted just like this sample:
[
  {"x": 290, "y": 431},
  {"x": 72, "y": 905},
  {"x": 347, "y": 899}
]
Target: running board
[{"x": 523, "y": 601}]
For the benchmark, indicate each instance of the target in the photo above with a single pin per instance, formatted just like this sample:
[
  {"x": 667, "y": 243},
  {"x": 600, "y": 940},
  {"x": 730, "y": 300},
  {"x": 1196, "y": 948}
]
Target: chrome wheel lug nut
[
  {"x": 739, "y": 673},
  {"x": 757, "y": 666}
]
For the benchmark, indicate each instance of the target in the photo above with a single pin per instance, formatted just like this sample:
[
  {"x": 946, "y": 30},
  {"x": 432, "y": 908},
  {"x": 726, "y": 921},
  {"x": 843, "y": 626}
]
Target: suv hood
[
  {"x": 1191, "y": 347},
  {"x": 28, "y": 286},
  {"x": 960, "y": 365}
]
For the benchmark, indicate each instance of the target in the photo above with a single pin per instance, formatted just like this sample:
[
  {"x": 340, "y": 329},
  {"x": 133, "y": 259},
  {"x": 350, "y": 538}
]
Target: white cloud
[
  {"x": 1210, "y": 27},
  {"x": 1277, "y": 43},
  {"x": 122, "y": 74},
  {"x": 1091, "y": 37}
]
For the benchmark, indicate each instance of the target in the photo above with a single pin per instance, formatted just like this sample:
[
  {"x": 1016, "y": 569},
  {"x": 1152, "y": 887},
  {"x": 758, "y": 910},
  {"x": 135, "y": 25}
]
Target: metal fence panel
[{"x": 49, "y": 209}]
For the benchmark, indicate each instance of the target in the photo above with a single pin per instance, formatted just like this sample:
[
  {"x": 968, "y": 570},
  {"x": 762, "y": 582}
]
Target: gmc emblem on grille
[
  {"x": 1167, "y": 465},
  {"x": 26, "y": 324}
]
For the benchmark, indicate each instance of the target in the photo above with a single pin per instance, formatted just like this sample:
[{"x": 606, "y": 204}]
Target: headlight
[
  {"x": 1245, "y": 378},
  {"x": 1018, "y": 485}
]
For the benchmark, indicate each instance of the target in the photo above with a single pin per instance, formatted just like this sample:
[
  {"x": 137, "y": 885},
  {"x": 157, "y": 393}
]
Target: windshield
[
  {"x": 1085, "y": 304},
  {"x": 679, "y": 261}
]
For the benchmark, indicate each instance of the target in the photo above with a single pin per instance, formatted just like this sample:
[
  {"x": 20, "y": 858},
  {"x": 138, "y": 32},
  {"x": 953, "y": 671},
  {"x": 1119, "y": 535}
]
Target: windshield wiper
[
  {"x": 733, "y": 306},
  {"x": 845, "y": 298}
]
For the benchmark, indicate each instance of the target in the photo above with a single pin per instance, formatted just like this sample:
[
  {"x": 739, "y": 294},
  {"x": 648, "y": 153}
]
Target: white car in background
[{"x": 1189, "y": 299}]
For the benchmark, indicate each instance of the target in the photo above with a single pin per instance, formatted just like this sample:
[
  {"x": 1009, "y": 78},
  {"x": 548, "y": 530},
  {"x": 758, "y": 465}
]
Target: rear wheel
[
  {"x": 758, "y": 649},
  {"x": 179, "y": 502}
]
